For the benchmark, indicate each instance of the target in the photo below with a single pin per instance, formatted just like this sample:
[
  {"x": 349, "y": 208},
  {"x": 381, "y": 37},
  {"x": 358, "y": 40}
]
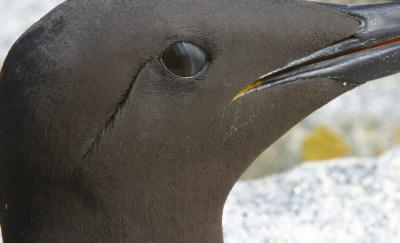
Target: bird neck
[{"x": 156, "y": 216}]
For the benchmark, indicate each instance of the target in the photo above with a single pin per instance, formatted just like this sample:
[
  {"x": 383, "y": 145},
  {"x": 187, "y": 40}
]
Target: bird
[{"x": 130, "y": 121}]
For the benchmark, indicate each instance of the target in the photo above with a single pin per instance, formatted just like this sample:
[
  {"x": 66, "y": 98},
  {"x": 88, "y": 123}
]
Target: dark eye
[{"x": 184, "y": 59}]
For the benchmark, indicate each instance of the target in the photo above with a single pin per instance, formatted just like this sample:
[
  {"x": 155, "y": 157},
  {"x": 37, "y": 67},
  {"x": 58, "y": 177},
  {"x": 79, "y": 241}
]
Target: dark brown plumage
[{"x": 100, "y": 143}]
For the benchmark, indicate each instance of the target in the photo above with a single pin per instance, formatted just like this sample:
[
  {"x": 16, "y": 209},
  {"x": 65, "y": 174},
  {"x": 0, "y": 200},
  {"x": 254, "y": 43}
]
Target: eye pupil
[{"x": 184, "y": 59}]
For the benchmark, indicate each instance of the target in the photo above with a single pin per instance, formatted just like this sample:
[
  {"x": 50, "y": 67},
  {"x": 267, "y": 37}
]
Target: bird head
[{"x": 130, "y": 104}]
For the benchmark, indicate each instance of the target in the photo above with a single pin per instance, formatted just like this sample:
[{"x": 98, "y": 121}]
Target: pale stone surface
[{"x": 351, "y": 200}]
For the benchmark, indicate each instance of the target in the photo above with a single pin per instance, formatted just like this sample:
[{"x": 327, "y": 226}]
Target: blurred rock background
[{"x": 350, "y": 200}]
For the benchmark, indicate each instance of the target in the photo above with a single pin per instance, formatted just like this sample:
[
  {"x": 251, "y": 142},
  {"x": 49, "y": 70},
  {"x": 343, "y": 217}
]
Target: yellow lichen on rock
[
  {"x": 323, "y": 143},
  {"x": 397, "y": 135}
]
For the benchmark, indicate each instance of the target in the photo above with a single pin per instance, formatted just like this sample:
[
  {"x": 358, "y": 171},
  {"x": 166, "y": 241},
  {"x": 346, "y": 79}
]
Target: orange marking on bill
[{"x": 246, "y": 89}]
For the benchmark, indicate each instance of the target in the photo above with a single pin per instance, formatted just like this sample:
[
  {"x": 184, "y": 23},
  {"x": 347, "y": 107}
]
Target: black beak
[{"x": 371, "y": 53}]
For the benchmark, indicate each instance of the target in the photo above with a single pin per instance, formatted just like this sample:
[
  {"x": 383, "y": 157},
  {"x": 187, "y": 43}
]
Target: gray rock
[{"x": 354, "y": 200}]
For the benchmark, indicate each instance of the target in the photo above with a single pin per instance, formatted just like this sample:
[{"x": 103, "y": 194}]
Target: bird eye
[{"x": 184, "y": 59}]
